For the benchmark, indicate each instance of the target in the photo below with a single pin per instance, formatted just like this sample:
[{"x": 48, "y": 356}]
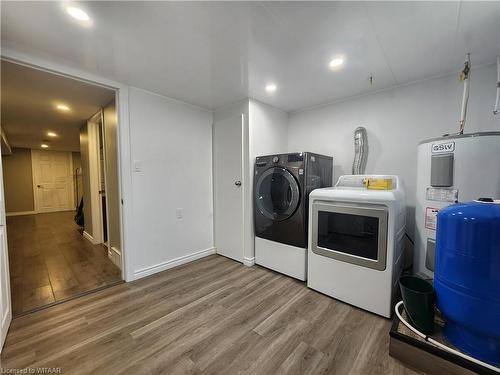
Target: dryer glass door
[
  {"x": 351, "y": 233},
  {"x": 277, "y": 194}
]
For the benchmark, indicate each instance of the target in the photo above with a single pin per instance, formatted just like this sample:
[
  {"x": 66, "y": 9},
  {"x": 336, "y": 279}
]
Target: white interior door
[
  {"x": 5, "y": 303},
  {"x": 103, "y": 206},
  {"x": 95, "y": 178},
  {"x": 228, "y": 191},
  {"x": 52, "y": 179}
]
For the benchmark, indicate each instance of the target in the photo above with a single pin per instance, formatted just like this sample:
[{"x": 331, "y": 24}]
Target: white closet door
[
  {"x": 228, "y": 187},
  {"x": 52, "y": 181}
]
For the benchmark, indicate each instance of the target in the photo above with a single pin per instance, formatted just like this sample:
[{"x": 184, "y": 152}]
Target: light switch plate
[{"x": 137, "y": 166}]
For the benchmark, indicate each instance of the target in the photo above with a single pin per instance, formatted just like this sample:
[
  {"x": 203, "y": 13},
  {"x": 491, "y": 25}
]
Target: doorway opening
[{"x": 61, "y": 186}]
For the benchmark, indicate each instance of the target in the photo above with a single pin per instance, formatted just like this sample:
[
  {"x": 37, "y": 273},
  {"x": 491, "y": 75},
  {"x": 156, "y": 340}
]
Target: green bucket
[{"x": 418, "y": 298}]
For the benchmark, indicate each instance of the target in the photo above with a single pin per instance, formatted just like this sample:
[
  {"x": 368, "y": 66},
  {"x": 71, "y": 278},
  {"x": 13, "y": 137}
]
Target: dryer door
[
  {"x": 351, "y": 232},
  {"x": 277, "y": 194}
]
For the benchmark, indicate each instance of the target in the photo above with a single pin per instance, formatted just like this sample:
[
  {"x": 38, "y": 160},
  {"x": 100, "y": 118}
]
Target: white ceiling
[
  {"x": 28, "y": 102},
  {"x": 214, "y": 53}
]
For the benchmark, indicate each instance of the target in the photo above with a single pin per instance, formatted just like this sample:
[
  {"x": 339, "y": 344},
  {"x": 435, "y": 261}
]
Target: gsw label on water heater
[
  {"x": 441, "y": 194},
  {"x": 443, "y": 147}
]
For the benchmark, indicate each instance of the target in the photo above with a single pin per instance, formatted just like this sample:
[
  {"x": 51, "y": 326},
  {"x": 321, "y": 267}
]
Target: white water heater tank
[{"x": 454, "y": 168}]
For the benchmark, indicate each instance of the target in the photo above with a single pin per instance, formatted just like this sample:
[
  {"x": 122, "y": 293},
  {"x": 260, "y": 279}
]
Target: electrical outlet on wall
[
  {"x": 137, "y": 166},
  {"x": 178, "y": 213}
]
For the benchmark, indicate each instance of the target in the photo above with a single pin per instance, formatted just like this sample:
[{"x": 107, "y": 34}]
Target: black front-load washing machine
[{"x": 282, "y": 184}]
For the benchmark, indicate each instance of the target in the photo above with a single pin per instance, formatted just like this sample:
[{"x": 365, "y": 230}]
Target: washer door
[{"x": 277, "y": 194}]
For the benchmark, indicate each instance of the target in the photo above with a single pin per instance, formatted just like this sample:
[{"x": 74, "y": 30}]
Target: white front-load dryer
[{"x": 356, "y": 238}]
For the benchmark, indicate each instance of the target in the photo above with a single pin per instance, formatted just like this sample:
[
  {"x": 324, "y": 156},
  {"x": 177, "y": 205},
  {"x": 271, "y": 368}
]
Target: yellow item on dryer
[{"x": 373, "y": 183}]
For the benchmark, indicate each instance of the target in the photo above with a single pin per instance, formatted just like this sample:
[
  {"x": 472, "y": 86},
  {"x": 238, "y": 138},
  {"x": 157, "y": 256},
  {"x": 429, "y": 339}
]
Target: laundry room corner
[{"x": 248, "y": 187}]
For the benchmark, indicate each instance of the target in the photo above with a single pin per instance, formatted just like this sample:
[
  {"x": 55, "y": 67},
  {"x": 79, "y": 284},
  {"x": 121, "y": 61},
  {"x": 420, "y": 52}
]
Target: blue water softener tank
[{"x": 467, "y": 276}]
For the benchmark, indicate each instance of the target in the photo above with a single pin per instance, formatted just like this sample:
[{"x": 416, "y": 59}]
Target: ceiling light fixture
[
  {"x": 44, "y": 145},
  {"x": 62, "y": 107},
  {"x": 51, "y": 134},
  {"x": 336, "y": 63},
  {"x": 271, "y": 87},
  {"x": 78, "y": 14}
]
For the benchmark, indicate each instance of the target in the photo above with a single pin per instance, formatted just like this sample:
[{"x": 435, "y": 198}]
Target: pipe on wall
[
  {"x": 465, "y": 77},
  {"x": 360, "y": 150}
]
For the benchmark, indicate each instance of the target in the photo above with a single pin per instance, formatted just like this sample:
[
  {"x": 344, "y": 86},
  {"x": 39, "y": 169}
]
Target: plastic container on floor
[{"x": 418, "y": 298}]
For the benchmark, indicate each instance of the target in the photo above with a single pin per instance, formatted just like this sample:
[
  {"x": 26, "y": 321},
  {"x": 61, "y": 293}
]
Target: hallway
[{"x": 50, "y": 261}]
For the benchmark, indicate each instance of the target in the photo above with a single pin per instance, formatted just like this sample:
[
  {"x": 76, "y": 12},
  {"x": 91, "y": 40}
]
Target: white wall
[
  {"x": 267, "y": 135},
  {"x": 268, "y": 130},
  {"x": 172, "y": 142},
  {"x": 396, "y": 121}
]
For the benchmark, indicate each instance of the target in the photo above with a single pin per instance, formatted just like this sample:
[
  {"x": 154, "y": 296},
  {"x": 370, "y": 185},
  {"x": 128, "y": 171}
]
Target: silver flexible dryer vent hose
[{"x": 360, "y": 151}]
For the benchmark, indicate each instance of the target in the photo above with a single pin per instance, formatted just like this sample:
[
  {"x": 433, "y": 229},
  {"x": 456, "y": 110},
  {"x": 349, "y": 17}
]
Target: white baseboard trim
[
  {"x": 90, "y": 238},
  {"x": 143, "y": 272},
  {"x": 249, "y": 261},
  {"x": 66, "y": 209},
  {"x": 116, "y": 256},
  {"x": 4, "y": 325},
  {"x": 20, "y": 213}
]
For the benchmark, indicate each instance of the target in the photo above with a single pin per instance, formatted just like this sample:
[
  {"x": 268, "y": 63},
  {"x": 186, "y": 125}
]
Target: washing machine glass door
[{"x": 277, "y": 194}]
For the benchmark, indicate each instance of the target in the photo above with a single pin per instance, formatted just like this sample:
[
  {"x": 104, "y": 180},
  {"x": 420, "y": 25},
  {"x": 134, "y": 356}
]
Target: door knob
[{"x": 237, "y": 183}]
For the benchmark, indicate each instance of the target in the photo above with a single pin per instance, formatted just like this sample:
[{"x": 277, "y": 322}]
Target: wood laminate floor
[
  {"x": 50, "y": 261},
  {"x": 211, "y": 316}
]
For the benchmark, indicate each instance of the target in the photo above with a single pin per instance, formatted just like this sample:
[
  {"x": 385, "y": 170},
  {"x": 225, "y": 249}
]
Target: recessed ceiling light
[
  {"x": 336, "y": 62},
  {"x": 271, "y": 87},
  {"x": 51, "y": 134},
  {"x": 44, "y": 145},
  {"x": 78, "y": 14},
  {"x": 62, "y": 107}
]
